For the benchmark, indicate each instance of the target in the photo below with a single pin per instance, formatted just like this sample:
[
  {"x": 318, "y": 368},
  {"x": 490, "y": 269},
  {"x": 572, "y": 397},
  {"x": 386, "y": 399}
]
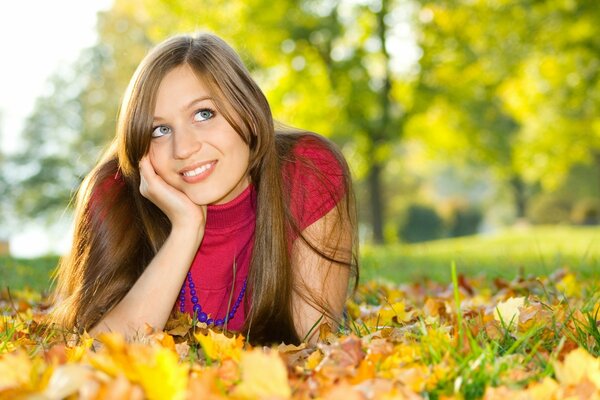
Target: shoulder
[
  {"x": 316, "y": 178},
  {"x": 315, "y": 156}
]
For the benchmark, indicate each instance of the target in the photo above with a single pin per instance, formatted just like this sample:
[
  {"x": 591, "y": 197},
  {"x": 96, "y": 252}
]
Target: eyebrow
[{"x": 188, "y": 106}]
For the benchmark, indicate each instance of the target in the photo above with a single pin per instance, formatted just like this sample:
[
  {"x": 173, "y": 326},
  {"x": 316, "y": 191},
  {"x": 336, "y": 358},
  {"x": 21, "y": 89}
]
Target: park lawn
[
  {"x": 460, "y": 338},
  {"x": 531, "y": 251}
]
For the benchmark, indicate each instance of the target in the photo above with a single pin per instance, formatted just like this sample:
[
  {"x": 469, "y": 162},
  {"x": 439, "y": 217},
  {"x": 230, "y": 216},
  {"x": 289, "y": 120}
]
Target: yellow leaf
[
  {"x": 508, "y": 311},
  {"x": 394, "y": 314},
  {"x": 163, "y": 377},
  {"x": 217, "y": 346},
  {"x": 568, "y": 285},
  {"x": 76, "y": 353},
  {"x": 577, "y": 365},
  {"x": 313, "y": 360},
  {"x": 115, "y": 356},
  {"x": 15, "y": 370},
  {"x": 67, "y": 380},
  {"x": 546, "y": 389},
  {"x": 263, "y": 376},
  {"x": 414, "y": 377}
]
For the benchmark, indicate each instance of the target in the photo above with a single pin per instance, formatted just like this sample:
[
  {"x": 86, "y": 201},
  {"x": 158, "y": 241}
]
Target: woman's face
[{"x": 193, "y": 147}]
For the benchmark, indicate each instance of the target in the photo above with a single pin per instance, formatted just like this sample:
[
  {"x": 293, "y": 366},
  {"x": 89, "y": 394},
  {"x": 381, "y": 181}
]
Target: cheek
[
  {"x": 158, "y": 157},
  {"x": 242, "y": 158}
]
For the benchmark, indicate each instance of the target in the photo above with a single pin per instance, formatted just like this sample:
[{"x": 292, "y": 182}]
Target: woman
[{"x": 199, "y": 205}]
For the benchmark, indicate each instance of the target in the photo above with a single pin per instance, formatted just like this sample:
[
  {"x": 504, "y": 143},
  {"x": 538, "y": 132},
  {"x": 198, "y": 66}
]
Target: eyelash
[{"x": 212, "y": 111}]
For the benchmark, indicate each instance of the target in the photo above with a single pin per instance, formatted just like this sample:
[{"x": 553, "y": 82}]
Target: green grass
[
  {"x": 18, "y": 273},
  {"x": 533, "y": 251}
]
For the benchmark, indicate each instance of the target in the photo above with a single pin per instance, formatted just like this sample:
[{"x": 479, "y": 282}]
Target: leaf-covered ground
[{"x": 533, "y": 338}]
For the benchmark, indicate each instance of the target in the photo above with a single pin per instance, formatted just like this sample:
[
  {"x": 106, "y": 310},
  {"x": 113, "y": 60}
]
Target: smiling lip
[{"x": 197, "y": 172}]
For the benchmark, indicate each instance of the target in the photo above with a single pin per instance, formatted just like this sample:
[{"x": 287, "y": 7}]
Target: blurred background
[{"x": 471, "y": 126}]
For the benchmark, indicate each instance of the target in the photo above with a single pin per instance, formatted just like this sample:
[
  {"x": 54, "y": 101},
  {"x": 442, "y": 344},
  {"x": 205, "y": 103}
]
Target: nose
[{"x": 185, "y": 144}]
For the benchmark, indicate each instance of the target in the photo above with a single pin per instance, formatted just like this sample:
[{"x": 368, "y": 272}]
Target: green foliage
[
  {"x": 465, "y": 221},
  {"x": 547, "y": 209},
  {"x": 337, "y": 50},
  {"x": 586, "y": 212},
  {"x": 422, "y": 223},
  {"x": 508, "y": 88}
]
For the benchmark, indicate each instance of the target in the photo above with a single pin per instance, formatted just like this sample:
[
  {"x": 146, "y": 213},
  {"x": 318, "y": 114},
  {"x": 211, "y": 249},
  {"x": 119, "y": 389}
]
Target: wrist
[{"x": 188, "y": 233}]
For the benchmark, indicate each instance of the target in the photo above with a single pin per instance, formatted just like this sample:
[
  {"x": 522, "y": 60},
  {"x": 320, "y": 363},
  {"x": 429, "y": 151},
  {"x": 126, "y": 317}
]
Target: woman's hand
[{"x": 176, "y": 205}]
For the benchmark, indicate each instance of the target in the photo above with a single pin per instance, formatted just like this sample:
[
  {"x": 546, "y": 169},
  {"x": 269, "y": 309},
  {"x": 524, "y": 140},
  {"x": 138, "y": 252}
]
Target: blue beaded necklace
[{"x": 201, "y": 315}]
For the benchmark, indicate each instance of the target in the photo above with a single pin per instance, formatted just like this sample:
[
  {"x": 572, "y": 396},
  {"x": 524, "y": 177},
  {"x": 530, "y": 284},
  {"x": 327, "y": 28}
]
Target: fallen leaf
[
  {"x": 577, "y": 365},
  {"x": 217, "y": 346},
  {"x": 67, "y": 380},
  {"x": 263, "y": 376},
  {"x": 507, "y": 312}
]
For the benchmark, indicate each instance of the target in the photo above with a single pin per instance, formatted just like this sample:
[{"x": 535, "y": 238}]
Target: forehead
[{"x": 178, "y": 88}]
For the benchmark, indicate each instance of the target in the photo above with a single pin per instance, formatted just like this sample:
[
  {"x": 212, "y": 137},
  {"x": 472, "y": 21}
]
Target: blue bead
[
  {"x": 231, "y": 314},
  {"x": 219, "y": 322},
  {"x": 182, "y": 291},
  {"x": 193, "y": 292},
  {"x": 202, "y": 317},
  {"x": 209, "y": 321},
  {"x": 194, "y": 300},
  {"x": 197, "y": 308},
  {"x": 192, "y": 286}
]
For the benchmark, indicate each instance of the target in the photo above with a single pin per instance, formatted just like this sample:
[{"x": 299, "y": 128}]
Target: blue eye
[
  {"x": 160, "y": 131},
  {"x": 204, "y": 114}
]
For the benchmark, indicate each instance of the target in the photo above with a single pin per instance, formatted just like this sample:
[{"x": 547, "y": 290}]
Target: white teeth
[{"x": 198, "y": 170}]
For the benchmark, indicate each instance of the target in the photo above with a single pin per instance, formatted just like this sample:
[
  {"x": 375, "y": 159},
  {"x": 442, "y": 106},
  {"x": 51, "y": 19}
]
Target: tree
[
  {"x": 555, "y": 93},
  {"x": 325, "y": 65},
  {"x": 75, "y": 118},
  {"x": 470, "y": 49},
  {"x": 338, "y": 50}
]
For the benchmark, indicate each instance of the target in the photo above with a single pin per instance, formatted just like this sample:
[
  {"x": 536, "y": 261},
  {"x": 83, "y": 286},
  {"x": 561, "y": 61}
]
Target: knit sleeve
[{"x": 315, "y": 180}]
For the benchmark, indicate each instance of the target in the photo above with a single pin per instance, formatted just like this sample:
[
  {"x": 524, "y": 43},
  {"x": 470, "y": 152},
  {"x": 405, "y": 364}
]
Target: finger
[{"x": 147, "y": 174}]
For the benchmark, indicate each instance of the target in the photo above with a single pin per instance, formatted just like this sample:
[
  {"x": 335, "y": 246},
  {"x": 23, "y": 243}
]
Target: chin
[{"x": 203, "y": 199}]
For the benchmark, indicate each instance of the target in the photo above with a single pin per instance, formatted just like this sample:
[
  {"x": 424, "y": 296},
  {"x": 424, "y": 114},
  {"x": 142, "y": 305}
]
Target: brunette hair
[{"x": 118, "y": 231}]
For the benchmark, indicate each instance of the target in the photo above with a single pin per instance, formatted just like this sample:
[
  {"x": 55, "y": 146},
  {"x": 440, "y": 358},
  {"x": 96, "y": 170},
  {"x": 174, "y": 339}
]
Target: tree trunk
[
  {"x": 520, "y": 197},
  {"x": 381, "y": 132},
  {"x": 597, "y": 160},
  {"x": 374, "y": 184}
]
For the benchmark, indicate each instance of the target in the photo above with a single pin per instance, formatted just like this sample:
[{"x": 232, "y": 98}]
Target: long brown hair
[{"x": 118, "y": 231}]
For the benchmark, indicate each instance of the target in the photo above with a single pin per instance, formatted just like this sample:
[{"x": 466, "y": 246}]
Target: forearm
[{"x": 150, "y": 300}]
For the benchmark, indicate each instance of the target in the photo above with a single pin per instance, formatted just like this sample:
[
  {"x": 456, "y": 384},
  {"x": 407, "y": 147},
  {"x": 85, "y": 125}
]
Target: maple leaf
[
  {"x": 508, "y": 311},
  {"x": 15, "y": 371},
  {"x": 394, "y": 314},
  {"x": 115, "y": 357},
  {"x": 313, "y": 360},
  {"x": 204, "y": 385},
  {"x": 76, "y": 353},
  {"x": 67, "y": 380},
  {"x": 546, "y": 389},
  {"x": 163, "y": 377},
  {"x": 217, "y": 346},
  {"x": 577, "y": 366},
  {"x": 263, "y": 376},
  {"x": 178, "y": 324},
  {"x": 568, "y": 285}
]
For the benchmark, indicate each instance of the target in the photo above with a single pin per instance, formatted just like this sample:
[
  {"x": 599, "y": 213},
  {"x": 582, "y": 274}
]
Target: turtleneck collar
[{"x": 235, "y": 213}]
